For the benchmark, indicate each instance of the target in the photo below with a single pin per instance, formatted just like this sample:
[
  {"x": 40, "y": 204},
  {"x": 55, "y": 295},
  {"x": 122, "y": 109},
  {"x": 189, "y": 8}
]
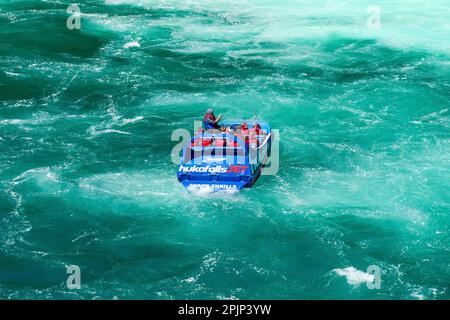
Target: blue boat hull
[{"x": 233, "y": 165}]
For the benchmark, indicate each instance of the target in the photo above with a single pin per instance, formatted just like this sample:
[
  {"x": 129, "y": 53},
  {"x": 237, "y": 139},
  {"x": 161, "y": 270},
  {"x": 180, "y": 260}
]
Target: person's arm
[{"x": 218, "y": 118}]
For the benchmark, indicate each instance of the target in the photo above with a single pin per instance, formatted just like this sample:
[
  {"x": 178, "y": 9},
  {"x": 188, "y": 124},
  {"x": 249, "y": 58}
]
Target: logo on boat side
[
  {"x": 237, "y": 169},
  {"x": 206, "y": 169},
  {"x": 215, "y": 159},
  {"x": 210, "y": 169}
]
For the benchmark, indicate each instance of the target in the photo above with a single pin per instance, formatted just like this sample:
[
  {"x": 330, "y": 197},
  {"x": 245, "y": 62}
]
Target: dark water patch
[
  {"x": 47, "y": 34},
  {"x": 351, "y": 60},
  {"x": 27, "y": 6},
  {"x": 25, "y": 87},
  {"x": 21, "y": 272},
  {"x": 39, "y": 28},
  {"x": 358, "y": 227},
  {"x": 214, "y": 62},
  {"x": 153, "y": 12},
  {"x": 336, "y": 43},
  {"x": 7, "y": 204}
]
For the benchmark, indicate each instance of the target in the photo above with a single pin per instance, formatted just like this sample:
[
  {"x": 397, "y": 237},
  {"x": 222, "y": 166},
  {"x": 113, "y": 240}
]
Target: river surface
[{"x": 86, "y": 177}]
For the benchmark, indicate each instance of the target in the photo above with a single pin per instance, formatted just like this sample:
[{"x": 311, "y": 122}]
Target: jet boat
[{"x": 228, "y": 159}]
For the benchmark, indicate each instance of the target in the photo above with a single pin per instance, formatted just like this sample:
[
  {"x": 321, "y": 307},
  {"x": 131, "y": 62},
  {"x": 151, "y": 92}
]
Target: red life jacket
[
  {"x": 206, "y": 143},
  {"x": 209, "y": 116}
]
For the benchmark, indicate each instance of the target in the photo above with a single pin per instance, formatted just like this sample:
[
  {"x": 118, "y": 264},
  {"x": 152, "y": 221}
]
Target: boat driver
[{"x": 210, "y": 121}]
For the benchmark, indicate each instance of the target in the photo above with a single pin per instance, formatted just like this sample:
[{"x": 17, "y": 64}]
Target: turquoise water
[{"x": 86, "y": 178}]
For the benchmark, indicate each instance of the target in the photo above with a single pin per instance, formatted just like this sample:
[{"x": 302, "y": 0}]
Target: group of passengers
[{"x": 211, "y": 124}]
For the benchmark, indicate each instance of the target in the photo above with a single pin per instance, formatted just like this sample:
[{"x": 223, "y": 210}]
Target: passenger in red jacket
[
  {"x": 206, "y": 142},
  {"x": 256, "y": 128},
  {"x": 244, "y": 127}
]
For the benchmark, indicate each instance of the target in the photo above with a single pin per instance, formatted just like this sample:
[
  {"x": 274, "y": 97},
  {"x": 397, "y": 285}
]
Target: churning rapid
[{"x": 360, "y": 95}]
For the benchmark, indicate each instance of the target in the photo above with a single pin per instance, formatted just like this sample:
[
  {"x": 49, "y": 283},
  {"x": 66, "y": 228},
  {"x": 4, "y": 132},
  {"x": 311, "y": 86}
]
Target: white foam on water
[
  {"x": 418, "y": 296},
  {"x": 291, "y": 20},
  {"x": 13, "y": 74},
  {"x": 144, "y": 188},
  {"x": 202, "y": 190},
  {"x": 132, "y": 44},
  {"x": 109, "y": 131},
  {"x": 189, "y": 280},
  {"x": 132, "y": 120},
  {"x": 354, "y": 276}
]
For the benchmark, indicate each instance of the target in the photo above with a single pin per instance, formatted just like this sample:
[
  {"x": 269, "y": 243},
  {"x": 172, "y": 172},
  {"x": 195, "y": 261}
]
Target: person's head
[
  {"x": 244, "y": 125},
  {"x": 210, "y": 111}
]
